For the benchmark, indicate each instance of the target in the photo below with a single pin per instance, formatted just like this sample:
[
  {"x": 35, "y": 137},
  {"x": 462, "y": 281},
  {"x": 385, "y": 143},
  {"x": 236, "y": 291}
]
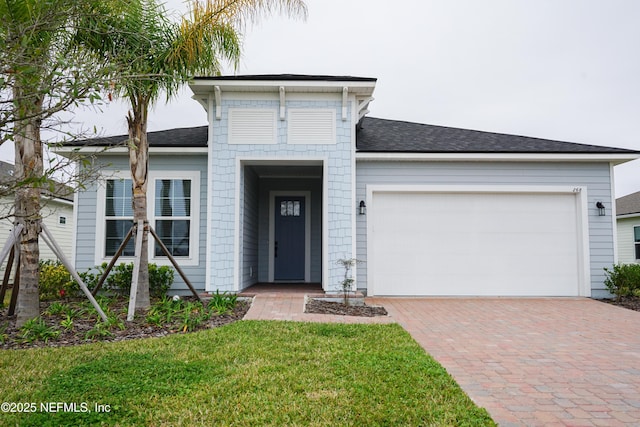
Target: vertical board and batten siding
[
  {"x": 626, "y": 242},
  {"x": 87, "y": 205},
  {"x": 249, "y": 229},
  {"x": 594, "y": 176}
]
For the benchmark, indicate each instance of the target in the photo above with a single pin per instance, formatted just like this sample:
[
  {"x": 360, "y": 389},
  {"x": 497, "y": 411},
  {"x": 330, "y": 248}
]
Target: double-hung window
[
  {"x": 173, "y": 205},
  {"x": 636, "y": 241},
  {"x": 173, "y": 216}
]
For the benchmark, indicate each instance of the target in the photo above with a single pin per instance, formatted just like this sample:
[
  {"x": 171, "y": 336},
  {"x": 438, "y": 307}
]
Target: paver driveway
[{"x": 533, "y": 362}]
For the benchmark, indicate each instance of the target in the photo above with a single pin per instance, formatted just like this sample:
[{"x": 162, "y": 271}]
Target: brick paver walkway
[
  {"x": 534, "y": 362},
  {"x": 290, "y": 306},
  {"x": 528, "y": 361}
]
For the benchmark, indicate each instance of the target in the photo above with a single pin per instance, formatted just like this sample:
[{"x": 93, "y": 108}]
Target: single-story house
[
  {"x": 628, "y": 221},
  {"x": 57, "y": 215},
  {"x": 291, "y": 176}
]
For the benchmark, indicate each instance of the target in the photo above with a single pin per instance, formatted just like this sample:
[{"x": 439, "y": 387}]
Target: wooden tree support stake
[
  {"x": 49, "y": 240},
  {"x": 113, "y": 261},
  {"x": 11, "y": 248},
  {"x": 136, "y": 272},
  {"x": 7, "y": 274},
  {"x": 175, "y": 264}
]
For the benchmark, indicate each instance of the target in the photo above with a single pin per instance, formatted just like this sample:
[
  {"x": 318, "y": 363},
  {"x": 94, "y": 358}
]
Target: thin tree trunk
[
  {"x": 139, "y": 164},
  {"x": 28, "y": 169}
]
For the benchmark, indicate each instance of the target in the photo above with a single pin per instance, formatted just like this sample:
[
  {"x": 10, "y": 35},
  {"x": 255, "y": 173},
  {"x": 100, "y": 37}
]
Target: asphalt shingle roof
[
  {"x": 393, "y": 136},
  {"x": 629, "y": 204},
  {"x": 181, "y": 137},
  {"x": 60, "y": 190}
]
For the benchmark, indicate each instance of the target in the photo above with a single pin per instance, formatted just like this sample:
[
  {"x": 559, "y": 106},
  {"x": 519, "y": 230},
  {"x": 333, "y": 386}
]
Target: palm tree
[
  {"x": 42, "y": 72},
  {"x": 154, "y": 56}
]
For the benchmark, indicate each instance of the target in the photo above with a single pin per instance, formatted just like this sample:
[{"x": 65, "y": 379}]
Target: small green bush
[
  {"x": 56, "y": 282},
  {"x": 160, "y": 279},
  {"x": 623, "y": 280},
  {"x": 37, "y": 330},
  {"x": 222, "y": 303}
]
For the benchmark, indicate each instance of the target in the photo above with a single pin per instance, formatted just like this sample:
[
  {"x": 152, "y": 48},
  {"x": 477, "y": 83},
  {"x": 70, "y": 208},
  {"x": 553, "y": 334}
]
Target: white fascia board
[
  {"x": 124, "y": 150},
  {"x": 625, "y": 216},
  {"x": 359, "y": 87},
  {"x": 59, "y": 200},
  {"x": 500, "y": 157}
]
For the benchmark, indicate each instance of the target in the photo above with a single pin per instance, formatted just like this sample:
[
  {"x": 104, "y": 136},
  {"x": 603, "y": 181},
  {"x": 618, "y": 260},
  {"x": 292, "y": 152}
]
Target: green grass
[{"x": 247, "y": 373}]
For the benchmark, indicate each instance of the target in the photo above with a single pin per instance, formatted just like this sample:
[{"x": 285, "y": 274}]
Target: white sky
[{"x": 567, "y": 70}]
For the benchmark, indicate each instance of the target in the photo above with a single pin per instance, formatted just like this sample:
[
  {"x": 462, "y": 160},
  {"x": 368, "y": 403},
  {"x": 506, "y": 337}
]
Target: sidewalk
[{"x": 287, "y": 303}]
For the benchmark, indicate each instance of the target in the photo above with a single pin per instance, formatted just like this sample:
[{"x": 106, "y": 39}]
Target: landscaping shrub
[
  {"x": 56, "y": 282},
  {"x": 623, "y": 280},
  {"x": 160, "y": 279}
]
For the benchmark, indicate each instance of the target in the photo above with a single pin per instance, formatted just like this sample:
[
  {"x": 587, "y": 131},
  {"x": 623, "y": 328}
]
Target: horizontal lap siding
[
  {"x": 594, "y": 176},
  {"x": 626, "y": 244},
  {"x": 87, "y": 203}
]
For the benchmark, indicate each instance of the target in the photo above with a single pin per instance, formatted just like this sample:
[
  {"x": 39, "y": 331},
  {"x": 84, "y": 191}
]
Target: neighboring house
[
  {"x": 628, "y": 221},
  {"x": 290, "y": 176},
  {"x": 57, "y": 215}
]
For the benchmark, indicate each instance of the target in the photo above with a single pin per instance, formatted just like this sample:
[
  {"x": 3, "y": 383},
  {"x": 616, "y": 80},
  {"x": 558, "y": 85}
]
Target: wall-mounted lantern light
[
  {"x": 600, "y": 206},
  {"x": 363, "y": 208}
]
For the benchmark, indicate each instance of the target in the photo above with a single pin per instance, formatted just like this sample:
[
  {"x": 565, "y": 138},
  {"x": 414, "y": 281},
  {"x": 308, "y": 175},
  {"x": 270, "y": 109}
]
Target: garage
[{"x": 475, "y": 243}]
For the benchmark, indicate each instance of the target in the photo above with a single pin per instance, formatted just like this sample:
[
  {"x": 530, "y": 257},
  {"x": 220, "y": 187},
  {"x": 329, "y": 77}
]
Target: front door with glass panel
[{"x": 289, "y": 238}]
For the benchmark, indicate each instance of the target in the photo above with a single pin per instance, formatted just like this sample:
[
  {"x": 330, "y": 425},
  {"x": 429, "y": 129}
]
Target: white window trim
[
  {"x": 194, "y": 256},
  {"x": 633, "y": 239},
  {"x": 194, "y": 247}
]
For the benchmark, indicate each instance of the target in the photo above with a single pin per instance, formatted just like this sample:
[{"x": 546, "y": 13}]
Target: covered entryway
[
  {"x": 479, "y": 243},
  {"x": 280, "y": 233}
]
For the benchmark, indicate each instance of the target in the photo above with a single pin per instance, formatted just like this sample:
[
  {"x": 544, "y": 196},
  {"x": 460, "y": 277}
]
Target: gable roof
[
  {"x": 628, "y": 205},
  {"x": 394, "y": 136}
]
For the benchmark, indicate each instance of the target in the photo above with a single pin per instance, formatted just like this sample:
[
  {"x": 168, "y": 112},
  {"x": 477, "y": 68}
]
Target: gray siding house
[
  {"x": 628, "y": 221},
  {"x": 291, "y": 175}
]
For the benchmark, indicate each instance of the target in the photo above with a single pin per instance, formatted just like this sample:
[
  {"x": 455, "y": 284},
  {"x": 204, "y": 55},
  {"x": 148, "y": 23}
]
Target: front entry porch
[
  {"x": 281, "y": 229},
  {"x": 282, "y": 288}
]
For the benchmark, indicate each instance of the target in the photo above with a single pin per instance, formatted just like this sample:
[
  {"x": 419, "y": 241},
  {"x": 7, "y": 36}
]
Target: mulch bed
[
  {"x": 138, "y": 328},
  {"x": 632, "y": 303},
  {"x": 317, "y": 306}
]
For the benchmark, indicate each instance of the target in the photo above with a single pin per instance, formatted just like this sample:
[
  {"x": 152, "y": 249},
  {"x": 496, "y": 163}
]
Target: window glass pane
[
  {"x": 118, "y": 198},
  {"x": 636, "y": 234},
  {"x": 283, "y": 208},
  {"x": 115, "y": 232},
  {"x": 175, "y": 236},
  {"x": 173, "y": 197},
  {"x": 296, "y": 208},
  {"x": 637, "y": 251},
  {"x": 289, "y": 208}
]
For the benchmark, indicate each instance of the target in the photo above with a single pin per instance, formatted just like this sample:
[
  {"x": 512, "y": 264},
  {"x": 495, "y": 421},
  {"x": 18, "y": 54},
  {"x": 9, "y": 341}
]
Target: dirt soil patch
[
  {"x": 318, "y": 306},
  {"x": 632, "y": 303},
  {"x": 138, "y": 328}
]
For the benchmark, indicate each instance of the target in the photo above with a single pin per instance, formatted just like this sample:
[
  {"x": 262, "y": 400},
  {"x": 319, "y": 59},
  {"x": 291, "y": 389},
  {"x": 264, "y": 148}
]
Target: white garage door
[{"x": 490, "y": 244}]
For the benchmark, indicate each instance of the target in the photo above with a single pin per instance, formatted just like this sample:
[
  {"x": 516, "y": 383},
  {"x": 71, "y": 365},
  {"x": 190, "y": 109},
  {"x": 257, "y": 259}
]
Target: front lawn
[{"x": 247, "y": 373}]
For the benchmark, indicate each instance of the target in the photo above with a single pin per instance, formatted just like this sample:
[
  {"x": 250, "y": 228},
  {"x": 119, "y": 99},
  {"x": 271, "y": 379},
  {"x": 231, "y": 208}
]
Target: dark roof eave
[{"x": 289, "y": 77}]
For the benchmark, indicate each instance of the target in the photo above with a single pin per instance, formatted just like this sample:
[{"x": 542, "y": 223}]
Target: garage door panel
[{"x": 474, "y": 244}]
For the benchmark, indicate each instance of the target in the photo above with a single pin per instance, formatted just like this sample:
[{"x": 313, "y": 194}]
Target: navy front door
[{"x": 289, "y": 238}]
